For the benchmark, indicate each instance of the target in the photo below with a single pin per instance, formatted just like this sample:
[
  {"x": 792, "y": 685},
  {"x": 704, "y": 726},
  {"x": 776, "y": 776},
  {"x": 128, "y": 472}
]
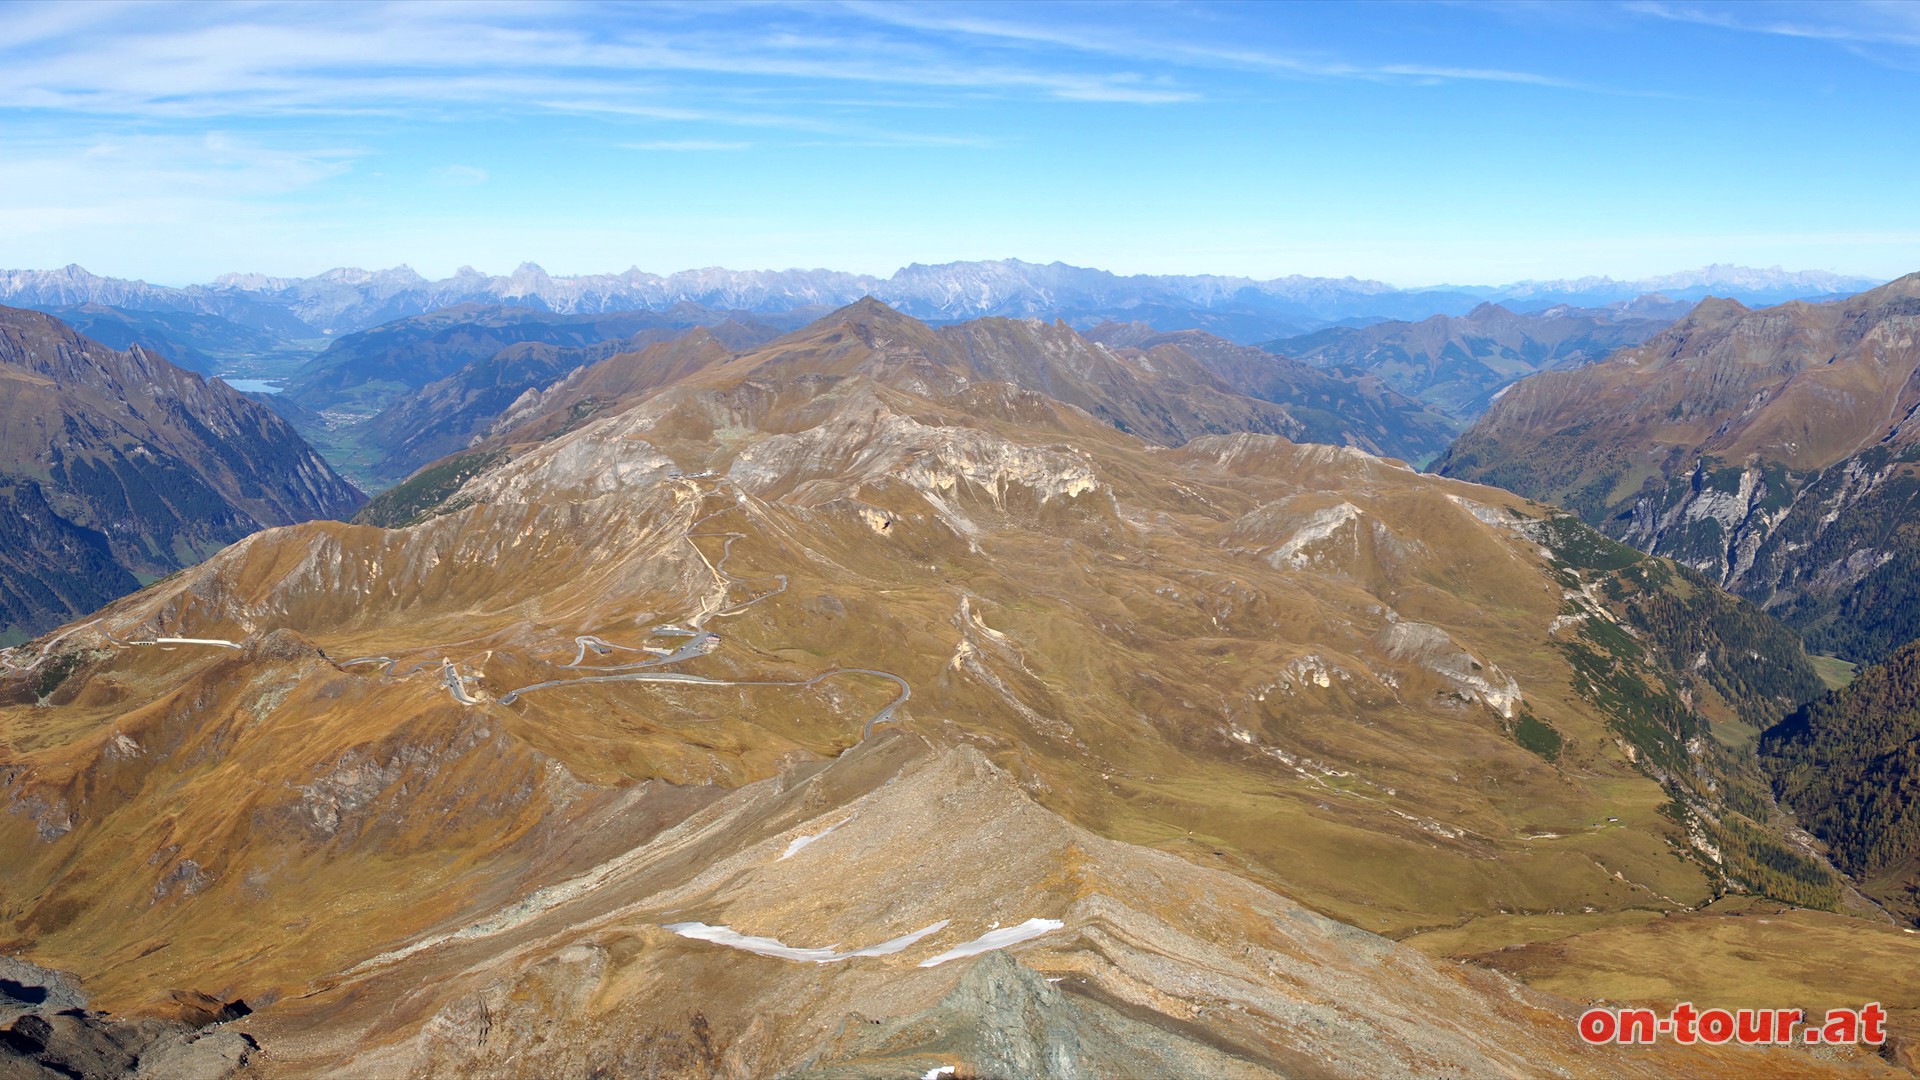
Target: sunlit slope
[
  {"x": 807, "y": 924},
  {"x": 1172, "y": 389}
]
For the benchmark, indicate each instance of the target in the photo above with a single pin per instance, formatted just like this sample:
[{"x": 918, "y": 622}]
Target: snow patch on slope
[
  {"x": 766, "y": 946},
  {"x": 797, "y": 843},
  {"x": 996, "y": 939}
]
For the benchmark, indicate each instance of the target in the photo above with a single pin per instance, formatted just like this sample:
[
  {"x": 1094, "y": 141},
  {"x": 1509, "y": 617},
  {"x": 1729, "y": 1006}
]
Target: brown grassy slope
[
  {"x": 1145, "y": 628},
  {"x": 1192, "y": 384},
  {"x": 1800, "y": 384}
]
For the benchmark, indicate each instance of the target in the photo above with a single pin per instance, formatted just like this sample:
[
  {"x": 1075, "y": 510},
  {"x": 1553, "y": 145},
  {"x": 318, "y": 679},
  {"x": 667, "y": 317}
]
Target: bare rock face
[
  {"x": 27, "y": 988},
  {"x": 46, "y": 1031},
  {"x": 1005, "y": 1019},
  {"x": 282, "y": 644}
]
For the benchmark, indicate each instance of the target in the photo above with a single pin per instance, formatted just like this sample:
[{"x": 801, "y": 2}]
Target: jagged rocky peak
[{"x": 401, "y": 275}]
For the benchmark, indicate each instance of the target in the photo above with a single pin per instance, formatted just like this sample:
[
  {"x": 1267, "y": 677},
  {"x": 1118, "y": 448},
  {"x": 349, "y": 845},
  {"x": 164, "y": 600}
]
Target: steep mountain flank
[
  {"x": 609, "y": 386},
  {"x": 118, "y": 467},
  {"x": 1849, "y": 766},
  {"x": 447, "y": 415},
  {"x": 1331, "y": 407},
  {"x": 193, "y": 341},
  {"x": 846, "y": 707},
  {"x": 1458, "y": 364},
  {"x": 1774, "y": 450},
  {"x": 369, "y": 370}
]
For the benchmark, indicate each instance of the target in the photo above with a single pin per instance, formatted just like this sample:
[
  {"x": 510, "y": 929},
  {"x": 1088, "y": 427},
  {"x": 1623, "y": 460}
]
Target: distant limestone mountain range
[{"x": 1238, "y": 308}]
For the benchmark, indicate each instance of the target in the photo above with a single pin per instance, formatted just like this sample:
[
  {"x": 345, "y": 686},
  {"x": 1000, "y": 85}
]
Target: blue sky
[{"x": 1456, "y": 142}]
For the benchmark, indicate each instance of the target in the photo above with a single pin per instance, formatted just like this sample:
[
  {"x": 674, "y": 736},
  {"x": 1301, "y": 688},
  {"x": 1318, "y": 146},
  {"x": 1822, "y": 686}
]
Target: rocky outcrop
[{"x": 48, "y": 1033}]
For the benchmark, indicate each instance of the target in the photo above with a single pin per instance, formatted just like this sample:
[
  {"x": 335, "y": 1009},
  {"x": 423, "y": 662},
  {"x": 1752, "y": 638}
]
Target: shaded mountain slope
[
  {"x": 194, "y": 341},
  {"x": 1331, "y": 407},
  {"x": 366, "y": 371},
  {"x": 1849, "y": 766},
  {"x": 1459, "y": 363},
  {"x": 447, "y": 415},
  {"x": 1775, "y": 450},
  {"x": 118, "y": 467}
]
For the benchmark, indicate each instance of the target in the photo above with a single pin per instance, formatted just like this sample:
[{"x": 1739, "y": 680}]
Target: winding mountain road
[{"x": 699, "y": 641}]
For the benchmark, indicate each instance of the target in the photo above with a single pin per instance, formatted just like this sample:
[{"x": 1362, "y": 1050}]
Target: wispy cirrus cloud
[
  {"x": 199, "y": 60},
  {"x": 1064, "y": 130},
  {"x": 195, "y": 61},
  {"x": 1875, "y": 22},
  {"x": 62, "y": 185},
  {"x": 214, "y": 163},
  {"x": 1096, "y": 36}
]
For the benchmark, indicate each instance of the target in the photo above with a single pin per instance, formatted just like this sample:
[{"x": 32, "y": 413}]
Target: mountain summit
[{"x": 1167, "y": 389}]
